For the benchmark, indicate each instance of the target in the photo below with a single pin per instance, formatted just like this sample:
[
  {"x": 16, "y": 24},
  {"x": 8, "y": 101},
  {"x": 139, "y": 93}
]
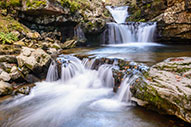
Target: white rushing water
[
  {"x": 52, "y": 72},
  {"x": 81, "y": 89},
  {"x": 118, "y": 13},
  {"x": 122, "y": 32}
]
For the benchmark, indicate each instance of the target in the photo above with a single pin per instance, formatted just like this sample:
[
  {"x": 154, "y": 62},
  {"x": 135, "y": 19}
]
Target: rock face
[
  {"x": 34, "y": 59},
  {"x": 173, "y": 17},
  {"x": 167, "y": 88},
  {"x": 61, "y": 17}
]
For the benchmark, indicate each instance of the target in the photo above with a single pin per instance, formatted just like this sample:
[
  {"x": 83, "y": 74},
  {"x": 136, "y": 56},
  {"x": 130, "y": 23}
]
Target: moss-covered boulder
[{"x": 167, "y": 88}]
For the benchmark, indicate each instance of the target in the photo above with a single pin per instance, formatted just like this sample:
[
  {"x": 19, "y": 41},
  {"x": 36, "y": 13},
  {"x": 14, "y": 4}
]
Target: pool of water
[{"x": 148, "y": 53}]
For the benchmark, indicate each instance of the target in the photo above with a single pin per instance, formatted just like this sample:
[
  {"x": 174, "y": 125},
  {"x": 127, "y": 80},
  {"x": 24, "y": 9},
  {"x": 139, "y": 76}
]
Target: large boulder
[
  {"x": 5, "y": 88},
  {"x": 167, "y": 88},
  {"x": 34, "y": 59}
]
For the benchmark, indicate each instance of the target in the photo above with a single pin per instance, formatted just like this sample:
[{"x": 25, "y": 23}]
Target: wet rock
[
  {"x": 167, "y": 88},
  {"x": 31, "y": 78},
  {"x": 5, "y": 88},
  {"x": 23, "y": 90}
]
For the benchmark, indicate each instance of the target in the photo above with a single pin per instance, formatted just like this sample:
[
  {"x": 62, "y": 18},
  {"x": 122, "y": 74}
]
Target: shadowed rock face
[
  {"x": 167, "y": 88},
  {"x": 173, "y": 16},
  {"x": 60, "y": 17}
]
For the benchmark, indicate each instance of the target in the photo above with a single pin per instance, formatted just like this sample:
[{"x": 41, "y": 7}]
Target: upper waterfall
[
  {"x": 122, "y": 32},
  {"x": 119, "y": 14}
]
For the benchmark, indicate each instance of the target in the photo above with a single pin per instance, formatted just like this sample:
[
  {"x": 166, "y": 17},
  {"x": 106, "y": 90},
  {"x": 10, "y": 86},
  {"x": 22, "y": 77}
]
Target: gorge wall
[{"x": 173, "y": 17}]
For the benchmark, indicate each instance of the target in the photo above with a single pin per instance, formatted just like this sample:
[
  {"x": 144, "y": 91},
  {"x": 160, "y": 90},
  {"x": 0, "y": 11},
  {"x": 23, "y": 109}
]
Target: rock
[
  {"x": 16, "y": 33},
  {"x": 34, "y": 59},
  {"x": 15, "y": 73},
  {"x": 22, "y": 90},
  {"x": 57, "y": 19},
  {"x": 167, "y": 88},
  {"x": 69, "y": 44},
  {"x": 8, "y": 58},
  {"x": 4, "y": 75},
  {"x": 34, "y": 35},
  {"x": 173, "y": 17},
  {"x": 31, "y": 78},
  {"x": 6, "y": 66},
  {"x": 52, "y": 51},
  {"x": 5, "y": 88}
]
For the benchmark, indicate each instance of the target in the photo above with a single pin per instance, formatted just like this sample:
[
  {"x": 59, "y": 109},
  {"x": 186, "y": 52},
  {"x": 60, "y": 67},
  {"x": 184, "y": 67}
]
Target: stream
[{"x": 84, "y": 97}]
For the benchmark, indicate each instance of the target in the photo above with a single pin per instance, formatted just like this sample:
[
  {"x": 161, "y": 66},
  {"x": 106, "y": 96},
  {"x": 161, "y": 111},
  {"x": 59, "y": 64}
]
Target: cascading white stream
[
  {"x": 118, "y": 13},
  {"x": 52, "y": 74},
  {"x": 124, "y": 93},
  {"x": 121, "y": 32},
  {"x": 70, "y": 69},
  {"x": 88, "y": 63},
  {"x": 106, "y": 75}
]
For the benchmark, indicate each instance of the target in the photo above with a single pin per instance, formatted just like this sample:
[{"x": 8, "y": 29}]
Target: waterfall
[
  {"x": 118, "y": 13},
  {"x": 121, "y": 32},
  {"x": 106, "y": 75},
  {"x": 79, "y": 33},
  {"x": 70, "y": 67},
  {"x": 88, "y": 63},
  {"x": 124, "y": 93},
  {"x": 52, "y": 74},
  {"x": 73, "y": 68}
]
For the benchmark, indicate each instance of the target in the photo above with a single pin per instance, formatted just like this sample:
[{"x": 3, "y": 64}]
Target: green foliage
[{"x": 7, "y": 38}]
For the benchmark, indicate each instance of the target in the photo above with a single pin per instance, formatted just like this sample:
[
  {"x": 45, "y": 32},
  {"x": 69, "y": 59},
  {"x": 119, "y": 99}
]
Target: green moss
[
  {"x": 73, "y": 5},
  {"x": 8, "y": 24},
  {"x": 136, "y": 16},
  {"x": 142, "y": 20},
  {"x": 10, "y": 3},
  {"x": 36, "y": 3}
]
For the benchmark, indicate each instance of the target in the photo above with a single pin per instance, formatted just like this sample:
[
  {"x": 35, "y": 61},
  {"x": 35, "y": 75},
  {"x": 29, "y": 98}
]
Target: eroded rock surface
[
  {"x": 33, "y": 59},
  {"x": 167, "y": 88}
]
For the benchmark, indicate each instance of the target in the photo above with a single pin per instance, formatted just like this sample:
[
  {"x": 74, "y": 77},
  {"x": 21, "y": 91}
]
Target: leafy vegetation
[{"x": 7, "y": 38}]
